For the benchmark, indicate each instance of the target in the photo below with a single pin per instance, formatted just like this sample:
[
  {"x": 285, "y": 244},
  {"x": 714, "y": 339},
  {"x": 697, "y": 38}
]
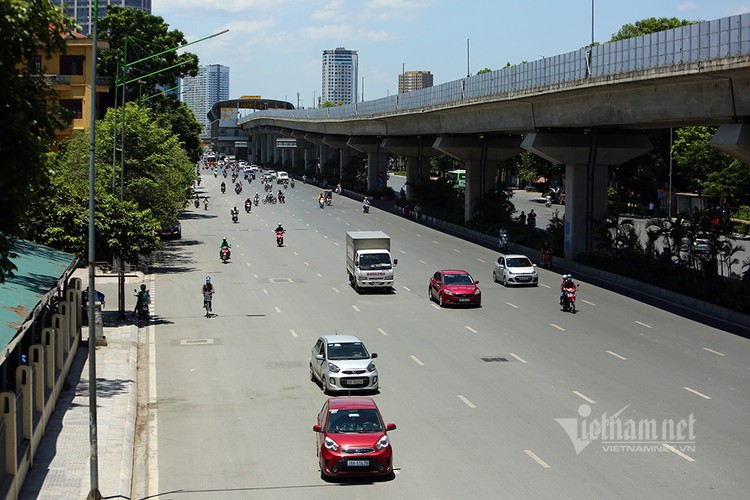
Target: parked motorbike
[
  {"x": 569, "y": 300},
  {"x": 280, "y": 238},
  {"x": 224, "y": 254}
]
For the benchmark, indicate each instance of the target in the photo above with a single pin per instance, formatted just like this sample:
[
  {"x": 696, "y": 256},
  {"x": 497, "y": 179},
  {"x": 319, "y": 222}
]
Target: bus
[{"x": 457, "y": 178}]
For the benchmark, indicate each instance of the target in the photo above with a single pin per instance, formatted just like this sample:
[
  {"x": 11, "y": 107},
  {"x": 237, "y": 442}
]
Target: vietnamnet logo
[{"x": 618, "y": 434}]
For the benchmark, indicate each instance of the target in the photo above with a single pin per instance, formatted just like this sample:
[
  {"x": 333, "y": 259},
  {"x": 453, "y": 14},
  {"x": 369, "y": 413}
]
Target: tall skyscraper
[
  {"x": 201, "y": 92},
  {"x": 414, "y": 80},
  {"x": 83, "y": 10},
  {"x": 339, "y": 76}
]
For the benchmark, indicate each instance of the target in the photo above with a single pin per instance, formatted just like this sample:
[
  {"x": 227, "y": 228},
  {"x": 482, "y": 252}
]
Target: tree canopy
[{"x": 650, "y": 25}]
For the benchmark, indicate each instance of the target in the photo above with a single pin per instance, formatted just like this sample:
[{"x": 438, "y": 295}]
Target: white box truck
[{"x": 368, "y": 260}]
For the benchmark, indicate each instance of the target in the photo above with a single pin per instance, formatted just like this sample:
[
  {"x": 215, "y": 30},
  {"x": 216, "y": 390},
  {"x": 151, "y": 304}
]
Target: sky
[{"x": 274, "y": 47}]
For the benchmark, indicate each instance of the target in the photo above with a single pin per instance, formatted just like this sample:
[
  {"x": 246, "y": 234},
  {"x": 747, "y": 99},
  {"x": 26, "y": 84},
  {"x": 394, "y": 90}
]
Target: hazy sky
[{"x": 274, "y": 47}]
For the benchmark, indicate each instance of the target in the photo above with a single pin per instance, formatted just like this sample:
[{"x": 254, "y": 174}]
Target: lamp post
[{"x": 468, "y": 73}]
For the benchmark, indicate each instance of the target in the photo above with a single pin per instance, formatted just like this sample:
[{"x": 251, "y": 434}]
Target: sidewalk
[{"x": 61, "y": 467}]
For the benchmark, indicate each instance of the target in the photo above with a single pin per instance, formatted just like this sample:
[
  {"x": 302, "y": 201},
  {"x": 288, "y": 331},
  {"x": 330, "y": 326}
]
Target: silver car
[
  {"x": 342, "y": 363},
  {"x": 515, "y": 269}
]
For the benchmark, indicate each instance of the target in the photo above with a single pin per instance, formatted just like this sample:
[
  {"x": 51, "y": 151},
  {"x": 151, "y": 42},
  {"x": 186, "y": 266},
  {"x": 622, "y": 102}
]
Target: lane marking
[
  {"x": 407, "y": 288},
  {"x": 403, "y": 229},
  {"x": 435, "y": 306},
  {"x": 335, "y": 289},
  {"x": 382, "y": 331},
  {"x": 545, "y": 286},
  {"x": 468, "y": 403},
  {"x": 584, "y": 397},
  {"x": 558, "y": 327},
  {"x": 457, "y": 250},
  {"x": 715, "y": 352},
  {"x": 255, "y": 276},
  {"x": 152, "y": 448},
  {"x": 519, "y": 358},
  {"x": 277, "y": 309},
  {"x": 417, "y": 361},
  {"x": 512, "y": 305},
  {"x": 294, "y": 334},
  {"x": 337, "y": 244},
  {"x": 587, "y": 302},
  {"x": 697, "y": 393},
  {"x": 480, "y": 260},
  {"x": 616, "y": 355},
  {"x": 324, "y": 236},
  {"x": 435, "y": 242},
  {"x": 355, "y": 308},
  {"x": 419, "y": 235},
  {"x": 422, "y": 262},
  {"x": 536, "y": 459},
  {"x": 319, "y": 275},
  {"x": 265, "y": 291},
  {"x": 402, "y": 252},
  {"x": 307, "y": 263},
  {"x": 295, "y": 253},
  {"x": 470, "y": 329},
  {"x": 248, "y": 264},
  {"x": 644, "y": 324},
  {"x": 678, "y": 452}
]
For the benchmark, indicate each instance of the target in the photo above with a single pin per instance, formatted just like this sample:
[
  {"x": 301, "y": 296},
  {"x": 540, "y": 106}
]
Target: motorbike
[
  {"x": 291, "y": 183},
  {"x": 569, "y": 300},
  {"x": 256, "y": 200},
  {"x": 248, "y": 206},
  {"x": 235, "y": 218},
  {"x": 365, "y": 208},
  {"x": 280, "y": 238},
  {"x": 503, "y": 241},
  {"x": 223, "y": 189},
  {"x": 197, "y": 203},
  {"x": 207, "y": 297},
  {"x": 224, "y": 254},
  {"x": 282, "y": 199},
  {"x": 548, "y": 202},
  {"x": 238, "y": 189},
  {"x": 142, "y": 310},
  {"x": 205, "y": 203},
  {"x": 286, "y": 184},
  {"x": 546, "y": 259},
  {"x": 270, "y": 198},
  {"x": 321, "y": 203}
]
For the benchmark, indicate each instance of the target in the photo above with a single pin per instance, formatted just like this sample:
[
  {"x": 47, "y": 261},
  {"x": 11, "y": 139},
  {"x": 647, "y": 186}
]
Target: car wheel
[
  {"x": 505, "y": 281},
  {"x": 440, "y": 299},
  {"x": 312, "y": 375},
  {"x": 429, "y": 294},
  {"x": 494, "y": 277}
]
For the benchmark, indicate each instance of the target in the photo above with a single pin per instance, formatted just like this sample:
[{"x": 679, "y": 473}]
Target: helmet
[
  {"x": 143, "y": 287},
  {"x": 208, "y": 279}
]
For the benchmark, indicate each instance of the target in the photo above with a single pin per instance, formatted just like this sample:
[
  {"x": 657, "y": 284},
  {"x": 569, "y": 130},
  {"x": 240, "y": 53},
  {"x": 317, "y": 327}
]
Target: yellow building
[{"x": 70, "y": 75}]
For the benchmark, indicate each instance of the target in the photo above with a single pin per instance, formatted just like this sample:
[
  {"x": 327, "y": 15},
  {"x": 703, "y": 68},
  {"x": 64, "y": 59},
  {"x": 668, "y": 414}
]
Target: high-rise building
[
  {"x": 414, "y": 80},
  {"x": 339, "y": 76},
  {"x": 201, "y": 92},
  {"x": 83, "y": 10}
]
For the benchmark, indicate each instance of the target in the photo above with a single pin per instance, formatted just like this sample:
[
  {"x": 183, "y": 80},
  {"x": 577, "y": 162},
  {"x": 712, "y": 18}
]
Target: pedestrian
[
  {"x": 522, "y": 218},
  {"x": 651, "y": 208}
]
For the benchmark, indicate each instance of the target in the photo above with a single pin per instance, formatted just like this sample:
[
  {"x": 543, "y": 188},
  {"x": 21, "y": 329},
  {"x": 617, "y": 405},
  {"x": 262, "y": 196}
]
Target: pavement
[{"x": 61, "y": 468}]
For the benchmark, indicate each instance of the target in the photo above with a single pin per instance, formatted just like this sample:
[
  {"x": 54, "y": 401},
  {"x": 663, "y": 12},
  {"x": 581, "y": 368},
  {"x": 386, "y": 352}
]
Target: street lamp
[{"x": 468, "y": 73}]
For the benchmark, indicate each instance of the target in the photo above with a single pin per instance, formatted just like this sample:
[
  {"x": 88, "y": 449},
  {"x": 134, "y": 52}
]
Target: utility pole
[{"x": 468, "y": 72}]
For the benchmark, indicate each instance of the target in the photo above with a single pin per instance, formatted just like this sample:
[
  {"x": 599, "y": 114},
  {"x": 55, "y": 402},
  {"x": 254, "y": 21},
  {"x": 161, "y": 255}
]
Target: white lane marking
[
  {"x": 248, "y": 264},
  {"x": 407, "y": 289},
  {"x": 536, "y": 459},
  {"x": 468, "y": 403},
  {"x": 715, "y": 352},
  {"x": 355, "y": 308},
  {"x": 422, "y": 262},
  {"x": 294, "y": 334},
  {"x": 457, "y": 250},
  {"x": 337, "y": 244},
  {"x": 317, "y": 231},
  {"x": 435, "y": 306},
  {"x": 277, "y": 309},
  {"x": 382, "y": 331},
  {"x": 319, "y": 275},
  {"x": 403, "y": 229},
  {"x": 697, "y": 393},
  {"x": 678, "y": 452},
  {"x": 558, "y": 327},
  {"x": 587, "y": 302},
  {"x": 335, "y": 289},
  {"x": 545, "y": 286},
  {"x": 616, "y": 355},
  {"x": 402, "y": 252},
  {"x": 584, "y": 397},
  {"x": 419, "y": 235},
  {"x": 480, "y": 260},
  {"x": 512, "y": 305},
  {"x": 265, "y": 291},
  {"x": 417, "y": 361},
  {"x": 324, "y": 236},
  {"x": 644, "y": 324},
  {"x": 255, "y": 276},
  {"x": 519, "y": 358},
  {"x": 307, "y": 263},
  {"x": 295, "y": 253},
  {"x": 435, "y": 242},
  {"x": 470, "y": 329},
  {"x": 308, "y": 225}
]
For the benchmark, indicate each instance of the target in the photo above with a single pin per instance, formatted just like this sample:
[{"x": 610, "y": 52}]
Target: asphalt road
[{"x": 475, "y": 392}]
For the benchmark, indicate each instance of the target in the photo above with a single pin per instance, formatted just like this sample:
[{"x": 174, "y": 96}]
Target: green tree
[
  {"x": 177, "y": 117},
  {"x": 29, "y": 114},
  {"x": 147, "y": 35},
  {"x": 327, "y": 104},
  {"x": 485, "y": 70},
  {"x": 696, "y": 159},
  {"x": 649, "y": 25}
]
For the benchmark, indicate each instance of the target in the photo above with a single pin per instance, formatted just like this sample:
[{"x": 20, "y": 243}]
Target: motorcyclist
[
  {"x": 567, "y": 284},
  {"x": 143, "y": 297},
  {"x": 548, "y": 201},
  {"x": 366, "y": 205},
  {"x": 248, "y": 204},
  {"x": 223, "y": 187},
  {"x": 321, "y": 200},
  {"x": 304, "y": 178},
  {"x": 546, "y": 253},
  {"x": 224, "y": 244},
  {"x": 279, "y": 228},
  {"x": 208, "y": 290},
  {"x": 502, "y": 236},
  {"x": 281, "y": 196},
  {"x": 257, "y": 198}
]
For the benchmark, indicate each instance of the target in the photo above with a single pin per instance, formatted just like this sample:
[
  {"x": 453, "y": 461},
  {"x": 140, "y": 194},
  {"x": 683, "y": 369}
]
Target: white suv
[{"x": 342, "y": 363}]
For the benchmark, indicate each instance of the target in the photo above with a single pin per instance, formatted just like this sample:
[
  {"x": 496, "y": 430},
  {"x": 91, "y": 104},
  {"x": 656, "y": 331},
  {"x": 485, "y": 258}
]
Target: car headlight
[
  {"x": 477, "y": 291},
  {"x": 371, "y": 367},
  {"x": 447, "y": 292},
  {"x": 382, "y": 443},
  {"x": 331, "y": 444},
  {"x": 333, "y": 368}
]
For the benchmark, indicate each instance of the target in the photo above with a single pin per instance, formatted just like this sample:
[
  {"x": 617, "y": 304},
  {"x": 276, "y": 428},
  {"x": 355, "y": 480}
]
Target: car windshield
[
  {"x": 519, "y": 262},
  {"x": 457, "y": 279},
  {"x": 354, "y": 421},
  {"x": 347, "y": 350},
  {"x": 375, "y": 261}
]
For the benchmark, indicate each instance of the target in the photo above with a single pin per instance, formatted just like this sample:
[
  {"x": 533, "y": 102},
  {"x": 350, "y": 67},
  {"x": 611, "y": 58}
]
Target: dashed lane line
[
  {"x": 715, "y": 352},
  {"x": 678, "y": 452},
  {"x": 616, "y": 355},
  {"x": 644, "y": 324},
  {"x": 584, "y": 397},
  {"x": 278, "y": 310},
  {"x": 519, "y": 358},
  {"x": 265, "y": 292},
  {"x": 335, "y": 289},
  {"x": 355, "y": 308},
  {"x": 482, "y": 261},
  {"x": 470, "y": 329},
  {"x": 422, "y": 262},
  {"x": 382, "y": 331},
  {"x": 587, "y": 302},
  {"x": 417, "y": 361},
  {"x": 466, "y": 401},
  {"x": 545, "y": 286},
  {"x": 536, "y": 459},
  {"x": 407, "y": 288},
  {"x": 512, "y": 305},
  {"x": 294, "y": 334},
  {"x": 558, "y": 327},
  {"x": 697, "y": 393}
]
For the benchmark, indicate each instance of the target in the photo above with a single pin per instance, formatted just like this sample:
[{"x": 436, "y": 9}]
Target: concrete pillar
[
  {"x": 345, "y": 156},
  {"x": 49, "y": 340},
  {"x": 36, "y": 361},
  {"x": 587, "y": 156},
  {"x": 480, "y": 156},
  {"x": 377, "y": 159},
  {"x": 417, "y": 151},
  {"x": 734, "y": 140},
  {"x": 24, "y": 386},
  {"x": 8, "y": 414},
  {"x": 332, "y": 146}
]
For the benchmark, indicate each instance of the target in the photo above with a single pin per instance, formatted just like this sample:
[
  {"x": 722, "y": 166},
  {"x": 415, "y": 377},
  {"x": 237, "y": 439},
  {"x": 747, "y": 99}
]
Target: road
[{"x": 475, "y": 393}]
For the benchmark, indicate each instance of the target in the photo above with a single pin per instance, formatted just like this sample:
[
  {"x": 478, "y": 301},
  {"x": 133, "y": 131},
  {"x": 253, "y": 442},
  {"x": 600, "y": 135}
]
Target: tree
[
  {"x": 177, "y": 117},
  {"x": 29, "y": 114},
  {"x": 650, "y": 25},
  {"x": 485, "y": 70},
  {"x": 147, "y": 35},
  {"x": 695, "y": 158}
]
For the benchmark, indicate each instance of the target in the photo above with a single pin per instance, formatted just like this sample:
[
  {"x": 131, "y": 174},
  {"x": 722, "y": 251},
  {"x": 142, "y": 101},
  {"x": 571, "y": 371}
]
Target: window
[
  {"x": 71, "y": 65},
  {"x": 74, "y": 105},
  {"x": 35, "y": 65}
]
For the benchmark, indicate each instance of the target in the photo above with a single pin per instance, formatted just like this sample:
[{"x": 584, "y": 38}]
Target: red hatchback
[
  {"x": 454, "y": 287},
  {"x": 352, "y": 439}
]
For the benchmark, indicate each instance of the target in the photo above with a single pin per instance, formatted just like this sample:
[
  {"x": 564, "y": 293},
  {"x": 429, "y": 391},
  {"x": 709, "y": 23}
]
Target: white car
[
  {"x": 515, "y": 269},
  {"x": 281, "y": 176},
  {"x": 342, "y": 363}
]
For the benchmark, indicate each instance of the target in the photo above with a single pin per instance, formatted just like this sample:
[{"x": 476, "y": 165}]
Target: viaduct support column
[
  {"x": 377, "y": 159},
  {"x": 418, "y": 151},
  {"x": 586, "y": 157},
  {"x": 480, "y": 155},
  {"x": 734, "y": 140}
]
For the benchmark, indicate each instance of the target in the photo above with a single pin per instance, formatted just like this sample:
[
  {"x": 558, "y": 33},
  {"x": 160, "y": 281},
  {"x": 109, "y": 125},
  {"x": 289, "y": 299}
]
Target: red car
[
  {"x": 454, "y": 287},
  {"x": 352, "y": 439}
]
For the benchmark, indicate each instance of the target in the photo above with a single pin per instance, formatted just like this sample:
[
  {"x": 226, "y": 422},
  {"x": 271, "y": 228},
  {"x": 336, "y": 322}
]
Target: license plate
[
  {"x": 358, "y": 463},
  {"x": 355, "y": 381},
  {"x": 463, "y": 300}
]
